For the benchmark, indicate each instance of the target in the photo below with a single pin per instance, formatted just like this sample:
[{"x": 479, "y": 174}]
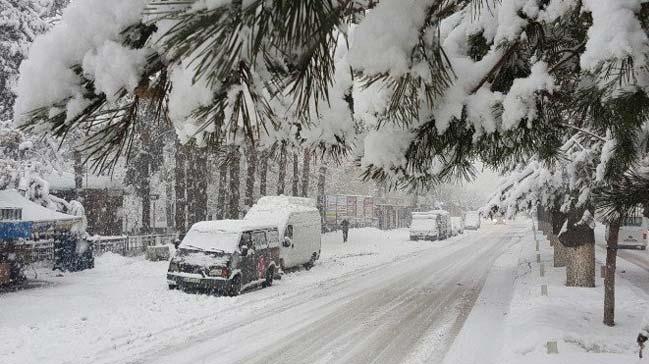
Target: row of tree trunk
[
  {"x": 574, "y": 248},
  {"x": 191, "y": 180}
]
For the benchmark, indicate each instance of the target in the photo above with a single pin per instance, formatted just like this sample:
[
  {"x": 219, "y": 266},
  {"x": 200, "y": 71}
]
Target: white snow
[
  {"x": 122, "y": 308},
  {"x": 87, "y": 32},
  {"x": 221, "y": 235},
  {"x": 520, "y": 102},
  {"x": 571, "y": 316},
  {"x": 616, "y": 33}
]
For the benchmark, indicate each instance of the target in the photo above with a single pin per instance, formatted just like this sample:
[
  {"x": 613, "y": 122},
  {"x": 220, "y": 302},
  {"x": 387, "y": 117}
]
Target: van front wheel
[
  {"x": 270, "y": 274},
  {"x": 234, "y": 288},
  {"x": 310, "y": 263}
]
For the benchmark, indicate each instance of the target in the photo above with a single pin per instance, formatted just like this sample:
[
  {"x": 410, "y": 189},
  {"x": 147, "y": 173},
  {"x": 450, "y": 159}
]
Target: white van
[
  {"x": 633, "y": 231},
  {"x": 472, "y": 220},
  {"x": 299, "y": 225},
  {"x": 457, "y": 225},
  {"x": 423, "y": 226}
]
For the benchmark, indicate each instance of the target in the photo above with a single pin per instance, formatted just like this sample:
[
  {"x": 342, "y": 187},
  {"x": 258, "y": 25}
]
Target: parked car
[
  {"x": 424, "y": 226},
  {"x": 457, "y": 225},
  {"x": 225, "y": 256},
  {"x": 299, "y": 224},
  {"x": 633, "y": 231},
  {"x": 472, "y": 220}
]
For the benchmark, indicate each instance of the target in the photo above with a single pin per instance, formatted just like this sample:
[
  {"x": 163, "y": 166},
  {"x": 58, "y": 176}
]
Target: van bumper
[{"x": 187, "y": 281}]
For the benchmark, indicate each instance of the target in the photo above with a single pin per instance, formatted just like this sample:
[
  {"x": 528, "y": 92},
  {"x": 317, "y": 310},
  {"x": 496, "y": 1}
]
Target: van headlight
[{"x": 215, "y": 272}]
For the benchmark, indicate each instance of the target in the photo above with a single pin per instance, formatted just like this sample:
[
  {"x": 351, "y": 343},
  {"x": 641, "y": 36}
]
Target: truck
[
  {"x": 299, "y": 224},
  {"x": 633, "y": 231},
  {"x": 472, "y": 220}
]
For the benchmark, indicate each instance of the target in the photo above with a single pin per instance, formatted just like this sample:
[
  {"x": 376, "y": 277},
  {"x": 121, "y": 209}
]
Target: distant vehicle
[
  {"x": 225, "y": 256},
  {"x": 299, "y": 224},
  {"x": 457, "y": 225},
  {"x": 633, "y": 231},
  {"x": 424, "y": 226},
  {"x": 472, "y": 220}
]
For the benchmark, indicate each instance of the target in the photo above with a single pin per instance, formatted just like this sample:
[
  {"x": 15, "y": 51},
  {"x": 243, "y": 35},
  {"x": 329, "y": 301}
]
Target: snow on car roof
[
  {"x": 219, "y": 235},
  {"x": 232, "y": 226}
]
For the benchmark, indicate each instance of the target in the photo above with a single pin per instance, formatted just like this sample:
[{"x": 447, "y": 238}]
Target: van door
[
  {"x": 289, "y": 252},
  {"x": 248, "y": 264},
  {"x": 262, "y": 253}
]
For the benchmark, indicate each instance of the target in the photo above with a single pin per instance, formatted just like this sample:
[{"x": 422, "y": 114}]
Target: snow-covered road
[{"x": 380, "y": 298}]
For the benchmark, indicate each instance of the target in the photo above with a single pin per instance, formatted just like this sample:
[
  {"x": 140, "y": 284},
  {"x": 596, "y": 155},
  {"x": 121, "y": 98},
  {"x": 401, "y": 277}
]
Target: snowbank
[{"x": 569, "y": 316}]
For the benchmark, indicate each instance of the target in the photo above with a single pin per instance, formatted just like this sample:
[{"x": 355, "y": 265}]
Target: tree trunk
[
  {"x": 322, "y": 178},
  {"x": 281, "y": 179},
  {"x": 251, "y": 170},
  {"x": 557, "y": 219},
  {"x": 145, "y": 195},
  {"x": 235, "y": 182},
  {"x": 579, "y": 239},
  {"x": 190, "y": 184},
  {"x": 609, "y": 277},
  {"x": 263, "y": 173},
  {"x": 296, "y": 175},
  {"x": 200, "y": 185},
  {"x": 78, "y": 173},
  {"x": 180, "y": 217},
  {"x": 223, "y": 191},
  {"x": 306, "y": 172}
]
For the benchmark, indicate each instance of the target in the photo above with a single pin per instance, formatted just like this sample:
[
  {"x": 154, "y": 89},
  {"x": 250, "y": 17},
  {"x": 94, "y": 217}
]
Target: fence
[
  {"x": 43, "y": 250},
  {"x": 129, "y": 245}
]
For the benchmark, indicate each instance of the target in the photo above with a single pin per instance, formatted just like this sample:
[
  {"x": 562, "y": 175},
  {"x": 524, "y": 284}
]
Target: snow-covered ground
[
  {"x": 379, "y": 297},
  {"x": 571, "y": 317}
]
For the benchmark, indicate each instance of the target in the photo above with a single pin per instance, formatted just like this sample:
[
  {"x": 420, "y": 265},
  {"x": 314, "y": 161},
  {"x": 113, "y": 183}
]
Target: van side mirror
[
  {"x": 287, "y": 242},
  {"x": 244, "y": 250},
  {"x": 176, "y": 243}
]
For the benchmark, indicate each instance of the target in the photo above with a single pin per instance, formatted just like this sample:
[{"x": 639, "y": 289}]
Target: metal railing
[{"x": 130, "y": 245}]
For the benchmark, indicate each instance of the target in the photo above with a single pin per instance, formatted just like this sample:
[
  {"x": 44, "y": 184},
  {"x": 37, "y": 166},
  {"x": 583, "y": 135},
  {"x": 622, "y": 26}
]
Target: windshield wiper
[
  {"x": 193, "y": 247},
  {"x": 204, "y": 250}
]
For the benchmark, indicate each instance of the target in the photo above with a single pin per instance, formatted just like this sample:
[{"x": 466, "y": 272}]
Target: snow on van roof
[
  {"x": 438, "y": 212},
  {"x": 276, "y": 209},
  {"x": 281, "y": 200}
]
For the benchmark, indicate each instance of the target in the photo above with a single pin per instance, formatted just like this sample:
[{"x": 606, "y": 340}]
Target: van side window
[
  {"x": 259, "y": 238},
  {"x": 245, "y": 240},
  {"x": 273, "y": 237},
  {"x": 289, "y": 232}
]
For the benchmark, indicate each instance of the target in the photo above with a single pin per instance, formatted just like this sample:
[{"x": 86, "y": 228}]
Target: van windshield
[
  {"x": 211, "y": 240},
  {"x": 632, "y": 221},
  {"x": 422, "y": 224}
]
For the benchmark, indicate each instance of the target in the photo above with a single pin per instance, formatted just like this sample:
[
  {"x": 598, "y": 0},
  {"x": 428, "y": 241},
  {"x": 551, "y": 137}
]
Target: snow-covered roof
[
  {"x": 32, "y": 211},
  {"x": 438, "y": 212},
  {"x": 276, "y": 210},
  {"x": 294, "y": 202}
]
